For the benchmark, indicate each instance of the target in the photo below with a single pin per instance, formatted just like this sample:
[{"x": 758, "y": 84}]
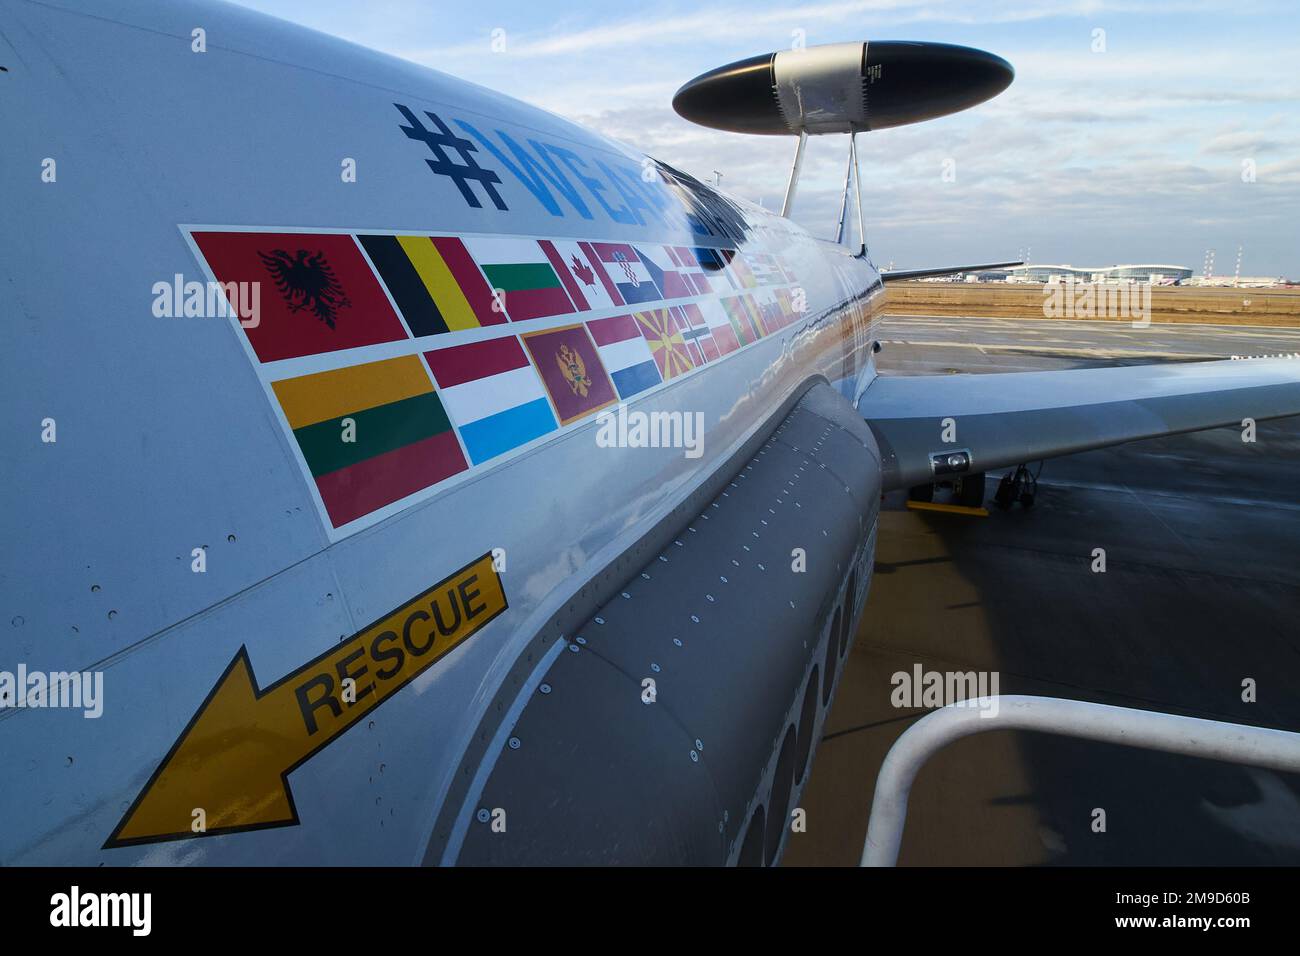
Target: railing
[{"x": 1212, "y": 739}]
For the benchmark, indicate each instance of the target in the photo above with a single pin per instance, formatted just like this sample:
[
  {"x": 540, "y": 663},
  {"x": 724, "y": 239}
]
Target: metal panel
[{"x": 727, "y": 630}]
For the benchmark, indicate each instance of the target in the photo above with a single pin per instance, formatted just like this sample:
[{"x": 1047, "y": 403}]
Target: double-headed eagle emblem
[
  {"x": 307, "y": 282},
  {"x": 574, "y": 370}
]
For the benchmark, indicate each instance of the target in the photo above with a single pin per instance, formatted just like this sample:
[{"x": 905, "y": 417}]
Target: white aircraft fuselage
[{"x": 317, "y": 648}]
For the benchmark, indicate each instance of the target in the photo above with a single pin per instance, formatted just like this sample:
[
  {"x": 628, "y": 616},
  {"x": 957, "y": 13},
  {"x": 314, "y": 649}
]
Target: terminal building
[{"x": 1156, "y": 274}]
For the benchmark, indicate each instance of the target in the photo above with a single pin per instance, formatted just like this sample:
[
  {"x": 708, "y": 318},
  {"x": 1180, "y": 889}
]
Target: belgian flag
[{"x": 435, "y": 283}]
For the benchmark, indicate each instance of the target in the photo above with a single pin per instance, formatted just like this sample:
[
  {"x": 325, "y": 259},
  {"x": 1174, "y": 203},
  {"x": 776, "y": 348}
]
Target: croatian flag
[
  {"x": 624, "y": 274},
  {"x": 626, "y": 354},
  {"x": 492, "y": 392}
]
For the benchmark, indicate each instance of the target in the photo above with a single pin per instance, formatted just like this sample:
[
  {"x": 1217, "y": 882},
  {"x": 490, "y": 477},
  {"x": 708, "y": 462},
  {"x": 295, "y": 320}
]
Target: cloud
[
  {"x": 1241, "y": 144},
  {"x": 1133, "y": 153}
]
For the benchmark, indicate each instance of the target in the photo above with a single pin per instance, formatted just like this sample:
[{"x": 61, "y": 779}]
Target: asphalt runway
[{"x": 1201, "y": 591}]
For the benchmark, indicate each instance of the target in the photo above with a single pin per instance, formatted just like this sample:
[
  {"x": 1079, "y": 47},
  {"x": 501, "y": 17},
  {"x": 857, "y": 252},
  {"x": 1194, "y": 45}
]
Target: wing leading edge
[
  {"x": 902, "y": 275},
  {"x": 1007, "y": 419}
]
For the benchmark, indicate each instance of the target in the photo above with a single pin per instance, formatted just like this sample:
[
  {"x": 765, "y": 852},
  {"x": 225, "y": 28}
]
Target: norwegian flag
[
  {"x": 719, "y": 323},
  {"x": 697, "y": 334}
]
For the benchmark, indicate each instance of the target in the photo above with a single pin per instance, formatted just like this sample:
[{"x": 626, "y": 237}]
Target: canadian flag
[{"x": 577, "y": 266}]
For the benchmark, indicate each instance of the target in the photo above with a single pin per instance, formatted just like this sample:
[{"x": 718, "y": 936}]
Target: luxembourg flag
[
  {"x": 624, "y": 274},
  {"x": 492, "y": 393},
  {"x": 626, "y": 354}
]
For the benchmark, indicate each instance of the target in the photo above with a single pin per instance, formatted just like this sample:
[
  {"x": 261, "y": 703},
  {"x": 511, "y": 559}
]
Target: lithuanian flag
[{"x": 371, "y": 434}]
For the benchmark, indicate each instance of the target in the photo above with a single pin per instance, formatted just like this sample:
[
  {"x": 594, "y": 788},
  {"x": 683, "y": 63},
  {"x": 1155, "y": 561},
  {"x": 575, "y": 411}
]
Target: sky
[{"x": 1134, "y": 131}]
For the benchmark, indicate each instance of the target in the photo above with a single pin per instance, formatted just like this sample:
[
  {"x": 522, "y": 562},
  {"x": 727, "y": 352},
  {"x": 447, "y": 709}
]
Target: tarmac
[{"x": 1201, "y": 593}]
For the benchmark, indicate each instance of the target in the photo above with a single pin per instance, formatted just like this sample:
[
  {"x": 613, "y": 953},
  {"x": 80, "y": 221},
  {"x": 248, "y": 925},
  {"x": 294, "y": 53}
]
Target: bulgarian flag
[{"x": 522, "y": 271}]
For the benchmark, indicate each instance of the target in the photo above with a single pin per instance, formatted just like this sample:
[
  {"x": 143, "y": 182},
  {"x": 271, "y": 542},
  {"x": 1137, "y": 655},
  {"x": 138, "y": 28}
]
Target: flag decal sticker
[
  {"x": 434, "y": 283},
  {"x": 396, "y": 363},
  {"x": 370, "y": 434},
  {"x": 626, "y": 354},
  {"x": 572, "y": 371},
  {"x": 659, "y": 328},
  {"x": 521, "y": 271},
  {"x": 493, "y": 394},
  {"x": 321, "y": 295}
]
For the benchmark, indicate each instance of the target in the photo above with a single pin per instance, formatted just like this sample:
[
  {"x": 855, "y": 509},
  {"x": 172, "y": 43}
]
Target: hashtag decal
[{"x": 463, "y": 173}]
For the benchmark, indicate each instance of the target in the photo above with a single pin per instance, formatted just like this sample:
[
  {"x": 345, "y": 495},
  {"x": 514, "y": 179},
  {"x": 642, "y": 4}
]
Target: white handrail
[{"x": 1193, "y": 736}]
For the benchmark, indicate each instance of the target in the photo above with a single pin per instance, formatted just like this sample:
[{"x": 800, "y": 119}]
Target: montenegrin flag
[
  {"x": 571, "y": 370},
  {"x": 371, "y": 434}
]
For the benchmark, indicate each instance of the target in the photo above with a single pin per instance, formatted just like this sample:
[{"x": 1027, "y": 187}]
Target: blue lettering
[
  {"x": 533, "y": 175},
  {"x": 593, "y": 185}
]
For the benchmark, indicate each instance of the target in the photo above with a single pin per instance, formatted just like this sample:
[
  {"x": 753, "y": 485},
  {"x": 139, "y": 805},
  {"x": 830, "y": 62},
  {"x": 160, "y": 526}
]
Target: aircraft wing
[
  {"x": 901, "y": 275},
  {"x": 1007, "y": 419}
]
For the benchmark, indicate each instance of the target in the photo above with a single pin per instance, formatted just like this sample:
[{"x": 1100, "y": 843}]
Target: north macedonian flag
[
  {"x": 370, "y": 434},
  {"x": 666, "y": 343},
  {"x": 571, "y": 370}
]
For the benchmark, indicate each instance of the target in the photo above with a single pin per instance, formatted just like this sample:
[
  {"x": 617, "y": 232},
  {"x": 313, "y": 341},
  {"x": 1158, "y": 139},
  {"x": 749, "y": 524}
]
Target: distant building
[
  {"x": 1244, "y": 282},
  {"x": 1156, "y": 274}
]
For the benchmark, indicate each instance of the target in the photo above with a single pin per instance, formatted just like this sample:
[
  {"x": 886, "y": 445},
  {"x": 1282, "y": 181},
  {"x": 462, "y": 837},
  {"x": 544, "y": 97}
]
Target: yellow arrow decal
[{"x": 233, "y": 760}]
